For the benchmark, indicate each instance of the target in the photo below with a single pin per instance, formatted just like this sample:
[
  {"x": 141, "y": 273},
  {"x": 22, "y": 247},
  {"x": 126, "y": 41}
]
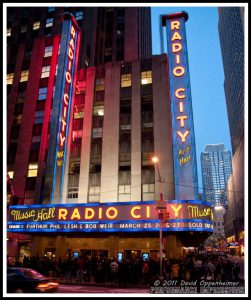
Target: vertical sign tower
[
  {"x": 184, "y": 154},
  {"x": 59, "y": 142}
]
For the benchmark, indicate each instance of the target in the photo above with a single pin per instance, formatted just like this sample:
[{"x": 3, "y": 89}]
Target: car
[{"x": 25, "y": 280}]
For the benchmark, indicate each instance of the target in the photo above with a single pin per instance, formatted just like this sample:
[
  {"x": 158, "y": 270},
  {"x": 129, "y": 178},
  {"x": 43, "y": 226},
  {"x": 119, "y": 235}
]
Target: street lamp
[
  {"x": 160, "y": 205},
  {"x": 219, "y": 211}
]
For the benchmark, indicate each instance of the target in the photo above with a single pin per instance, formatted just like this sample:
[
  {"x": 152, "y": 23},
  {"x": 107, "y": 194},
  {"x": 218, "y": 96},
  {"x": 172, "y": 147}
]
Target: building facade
[
  {"x": 231, "y": 33},
  {"x": 80, "y": 141},
  {"x": 216, "y": 167},
  {"x": 232, "y": 39},
  {"x": 108, "y": 33}
]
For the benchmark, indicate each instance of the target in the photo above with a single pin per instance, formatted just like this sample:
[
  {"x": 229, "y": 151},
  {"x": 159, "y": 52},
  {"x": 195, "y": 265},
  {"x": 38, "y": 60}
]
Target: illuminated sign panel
[
  {"x": 185, "y": 168},
  {"x": 62, "y": 108},
  {"x": 185, "y": 215}
]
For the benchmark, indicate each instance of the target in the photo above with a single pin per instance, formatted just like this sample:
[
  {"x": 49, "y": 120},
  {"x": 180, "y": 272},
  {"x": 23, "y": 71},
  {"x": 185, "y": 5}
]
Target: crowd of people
[{"x": 128, "y": 271}]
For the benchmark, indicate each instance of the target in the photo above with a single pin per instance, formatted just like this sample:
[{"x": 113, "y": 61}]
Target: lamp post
[
  {"x": 219, "y": 211},
  {"x": 161, "y": 209}
]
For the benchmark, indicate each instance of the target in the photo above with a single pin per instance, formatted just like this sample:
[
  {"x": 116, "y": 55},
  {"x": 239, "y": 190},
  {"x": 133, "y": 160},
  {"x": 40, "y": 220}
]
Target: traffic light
[{"x": 164, "y": 215}]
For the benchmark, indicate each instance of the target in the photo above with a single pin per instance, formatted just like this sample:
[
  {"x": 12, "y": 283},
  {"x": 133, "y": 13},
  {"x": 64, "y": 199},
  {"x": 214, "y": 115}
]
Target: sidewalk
[{"x": 240, "y": 261}]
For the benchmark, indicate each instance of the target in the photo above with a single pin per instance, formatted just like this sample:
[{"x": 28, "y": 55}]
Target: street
[{"x": 81, "y": 289}]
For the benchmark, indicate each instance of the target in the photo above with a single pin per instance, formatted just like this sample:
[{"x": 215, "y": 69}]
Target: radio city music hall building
[{"x": 80, "y": 148}]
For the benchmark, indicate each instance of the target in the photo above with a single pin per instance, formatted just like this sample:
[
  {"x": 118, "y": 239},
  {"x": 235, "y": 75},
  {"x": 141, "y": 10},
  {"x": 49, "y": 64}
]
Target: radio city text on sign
[
  {"x": 135, "y": 212},
  {"x": 179, "y": 71},
  {"x": 68, "y": 80}
]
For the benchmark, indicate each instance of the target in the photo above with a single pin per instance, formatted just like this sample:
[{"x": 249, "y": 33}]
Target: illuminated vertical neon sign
[
  {"x": 184, "y": 154},
  {"x": 62, "y": 108}
]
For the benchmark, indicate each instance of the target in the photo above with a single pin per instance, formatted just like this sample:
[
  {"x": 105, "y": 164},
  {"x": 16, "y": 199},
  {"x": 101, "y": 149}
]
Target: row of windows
[
  {"x": 122, "y": 190},
  {"x": 148, "y": 185},
  {"x": 146, "y": 77},
  {"x": 25, "y": 74},
  {"x": 126, "y": 79},
  {"x": 36, "y": 26},
  {"x": 49, "y": 23}
]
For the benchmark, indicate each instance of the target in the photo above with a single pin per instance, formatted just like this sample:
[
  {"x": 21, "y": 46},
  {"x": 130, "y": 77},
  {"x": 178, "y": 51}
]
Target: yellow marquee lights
[{"x": 179, "y": 71}]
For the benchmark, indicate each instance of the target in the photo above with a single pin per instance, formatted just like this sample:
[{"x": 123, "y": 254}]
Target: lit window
[
  {"x": 51, "y": 9},
  {"x": 23, "y": 29},
  {"x": 99, "y": 84},
  {"x": 48, "y": 51},
  {"x": 126, "y": 80},
  {"x": 146, "y": 77},
  {"x": 97, "y": 132},
  {"x": 39, "y": 117},
  {"x": 98, "y": 110},
  {"x": 11, "y": 174},
  {"x": 79, "y": 15},
  {"x": 36, "y": 25},
  {"x": 8, "y": 31},
  {"x": 124, "y": 189},
  {"x": 32, "y": 170},
  {"x": 73, "y": 192},
  {"x": 36, "y": 139},
  {"x": 94, "y": 190},
  {"x": 45, "y": 72},
  {"x": 78, "y": 111},
  {"x": 10, "y": 78},
  {"x": 42, "y": 93},
  {"x": 18, "y": 119},
  {"x": 49, "y": 22},
  {"x": 148, "y": 188},
  {"x": 24, "y": 75}
]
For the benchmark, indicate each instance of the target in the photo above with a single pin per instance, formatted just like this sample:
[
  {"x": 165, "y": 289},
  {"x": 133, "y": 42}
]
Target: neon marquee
[{"x": 184, "y": 215}]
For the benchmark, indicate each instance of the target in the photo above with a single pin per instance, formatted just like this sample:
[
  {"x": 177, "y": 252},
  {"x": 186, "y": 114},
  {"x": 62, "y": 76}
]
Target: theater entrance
[
  {"x": 93, "y": 253},
  {"x": 132, "y": 254}
]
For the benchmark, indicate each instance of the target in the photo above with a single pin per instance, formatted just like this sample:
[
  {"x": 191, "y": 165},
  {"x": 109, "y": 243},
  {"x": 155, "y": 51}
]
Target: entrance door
[
  {"x": 133, "y": 254},
  {"x": 154, "y": 254},
  {"x": 50, "y": 253},
  {"x": 93, "y": 253}
]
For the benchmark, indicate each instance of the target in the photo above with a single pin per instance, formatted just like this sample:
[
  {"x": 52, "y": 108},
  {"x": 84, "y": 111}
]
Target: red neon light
[{"x": 66, "y": 96}]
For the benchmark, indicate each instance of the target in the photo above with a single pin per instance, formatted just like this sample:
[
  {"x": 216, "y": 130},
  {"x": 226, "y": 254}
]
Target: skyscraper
[
  {"x": 216, "y": 169},
  {"x": 33, "y": 39},
  {"x": 108, "y": 33},
  {"x": 231, "y": 33}
]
